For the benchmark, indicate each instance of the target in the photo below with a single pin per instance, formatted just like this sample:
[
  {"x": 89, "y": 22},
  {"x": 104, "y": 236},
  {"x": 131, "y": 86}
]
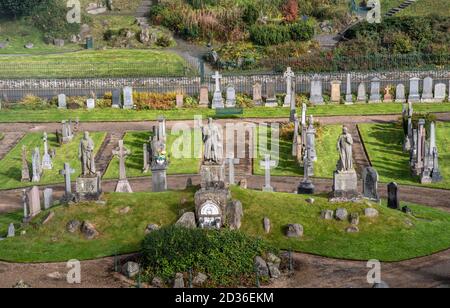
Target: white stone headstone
[
  {"x": 48, "y": 198},
  {"x": 400, "y": 93},
  {"x": 362, "y": 95},
  {"x": 414, "y": 95},
  {"x": 62, "y": 104},
  {"x": 439, "y": 92},
  {"x": 427, "y": 93},
  {"x": 90, "y": 103},
  {"x": 231, "y": 96},
  {"x": 375, "y": 96},
  {"x": 316, "y": 97},
  {"x": 128, "y": 98}
]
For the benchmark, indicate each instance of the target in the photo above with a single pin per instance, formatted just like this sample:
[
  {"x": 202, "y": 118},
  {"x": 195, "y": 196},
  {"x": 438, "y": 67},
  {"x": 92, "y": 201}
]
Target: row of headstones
[{"x": 126, "y": 93}]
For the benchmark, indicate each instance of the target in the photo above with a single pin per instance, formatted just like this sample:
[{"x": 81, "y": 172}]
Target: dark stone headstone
[
  {"x": 116, "y": 98},
  {"x": 370, "y": 184},
  {"x": 393, "y": 201}
]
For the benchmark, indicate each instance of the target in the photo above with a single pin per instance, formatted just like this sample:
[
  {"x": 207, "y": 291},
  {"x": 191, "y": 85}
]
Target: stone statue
[
  {"x": 86, "y": 155},
  {"x": 212, "y": 140},
  {"x": 344, "y": 146}
]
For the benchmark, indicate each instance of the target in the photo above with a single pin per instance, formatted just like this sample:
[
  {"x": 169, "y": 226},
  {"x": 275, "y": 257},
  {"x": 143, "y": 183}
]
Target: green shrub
[
  {"x": 225, "y": 256},
  {"x": 251, "y": 14},
  {"x": 302, "y": 31},
  {"x": 190, "y": 102},
  {"x": 163, "y": 41},
  {"x": 266, "y": 35}
]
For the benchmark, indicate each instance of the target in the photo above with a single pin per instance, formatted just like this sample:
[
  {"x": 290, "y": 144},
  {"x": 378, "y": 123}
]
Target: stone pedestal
[
  {"x": 345, "y": 187},
  {"x": 210, "y": 207},
  {"x": 88, "y": 188},
  {"x": 217, "y": 102},
  {"x": 306, "y": 187},
  {"x": 159, "y": 178},
  {"x": 123, "y": 186},
  {"x": 212, "y": 176}
]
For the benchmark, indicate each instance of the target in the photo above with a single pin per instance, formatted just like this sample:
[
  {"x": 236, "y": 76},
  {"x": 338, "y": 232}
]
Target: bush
[
  {"x": 163, "y": 41},
  {"x": 251, "y": 14},
  {"x": 31, "y": 101},
  {"x": 226, "y": 256},
  {"x": 159, "y": 101},
  {"x": 190, "y": 102},
  {"x": 302, "y": 31},
  {"x": 266, "y": 35}
]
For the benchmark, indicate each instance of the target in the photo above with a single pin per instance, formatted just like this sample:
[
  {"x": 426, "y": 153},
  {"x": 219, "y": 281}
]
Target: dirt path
[
  {"x": 9, "y": 142},
  {"x": 105, "y": 154},
  {"x": 359, "y": 154}
]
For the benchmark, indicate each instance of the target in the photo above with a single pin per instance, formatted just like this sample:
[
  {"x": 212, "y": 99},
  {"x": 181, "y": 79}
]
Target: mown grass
[
  {"x": 134, "y": 141},
  {"x": 327, "y": 156},
  {"x": 22, "y": 115},
  {"x": 11, "y": 164},
  {"x": 386, "y": 238},
  {"x": 384, "y": 144}
]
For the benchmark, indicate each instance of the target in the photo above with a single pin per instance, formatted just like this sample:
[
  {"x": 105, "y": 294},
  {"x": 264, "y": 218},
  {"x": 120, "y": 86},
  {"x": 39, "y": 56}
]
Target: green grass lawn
[
  {"x": 326, "y": 154},
  {"x": 419, "y": 8},
  {"x": 95, "y": 63},
  {"x": 384, "y": 143},
  {"x": 134, "y": 142},
  {"x": 55, "y": 115},
  {"x": 386, "y": 238},
  {"x": 11, "y": 164}
]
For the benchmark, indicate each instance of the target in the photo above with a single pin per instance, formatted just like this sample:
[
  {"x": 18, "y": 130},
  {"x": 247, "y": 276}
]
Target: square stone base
[
  {"x": 88, "y": 188},
  {"x": 305, "y": 188},
  {"x": 345, "y": 187},
  {"x": 212, "y": 176},
  {"x": 159, "y": 179}
]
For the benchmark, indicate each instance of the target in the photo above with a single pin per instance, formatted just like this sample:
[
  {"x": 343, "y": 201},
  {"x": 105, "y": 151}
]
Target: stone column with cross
[
  {"x": 231, "y": 162},
  {"x": 47, "y": 163},
  {"x": 67, "y": 172},
  {"x": 123, "y": 186},
  {"x": 217, "y": 102},
  {"x": 267, "y": 164},
  {"x": 288, "y": 75}
]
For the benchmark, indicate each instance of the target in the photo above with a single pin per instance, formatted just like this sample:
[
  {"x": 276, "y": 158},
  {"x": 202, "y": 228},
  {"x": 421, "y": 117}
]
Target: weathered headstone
[
  {"x": 267, "y": 164},
  {"x": 393, "y": 201},
  {"x": 400, "y": 94},
  {"x": 348, "y": 92},
  {"x": 146, "y": 159},
  {"x": 316, "y": 97},
  {"x": 427, "y": 93},
  {"x": 33, "y": 204},
  {"x": 362, "y": 95},
  {"x": 414, "y": 95},
  {"x": 370, "y": 184},
  {"x": 11, "y": 230},
  {"x": 375, "y": 96},
  {"x": 387, "y": 95},
  {"x": 335, "y": 91},
  {"x": 62, "y": 104},
  {"x": 25, "y": 167},
  {"x": 47, "y": 163},
  {"x": 204, "y": 96},
  {"x": 271, "y": 96},
  {"x": 288, "y": 75},
  {"x": 48, "y": 198},
  {"x": 123, "y": 186},
  {"x": 439, "y": 92},
  {"x": 179, "y": 100},
  {"x": 217, "y": 102},
  {"x": 36, "y": 164},
  {"x": 257, "y": 94},
  {"x": 116, "y": 98},
  {"x": 230, "y": 97},
  {"x": 128, "y": 98}
]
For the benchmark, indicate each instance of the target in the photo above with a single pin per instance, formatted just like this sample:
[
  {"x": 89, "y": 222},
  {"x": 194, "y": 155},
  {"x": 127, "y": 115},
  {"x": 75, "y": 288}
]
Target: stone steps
[
  {"x": 401, "y": 7},
  {"x": 105, "y": 155},
  {"x": 144, "y": 9},
  {"x": 9, "y": 141}
]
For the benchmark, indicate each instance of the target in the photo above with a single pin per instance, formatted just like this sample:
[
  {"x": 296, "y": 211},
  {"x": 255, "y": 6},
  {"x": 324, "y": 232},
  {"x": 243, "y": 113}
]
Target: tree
[
  {"x": 18, "y": 8},
  {"x": 290, "y": 10}
]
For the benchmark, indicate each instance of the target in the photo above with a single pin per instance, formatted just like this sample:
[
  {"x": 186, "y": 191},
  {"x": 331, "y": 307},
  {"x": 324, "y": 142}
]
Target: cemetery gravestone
[
  {"x": 257, "y": 94},
  {"x": 362, "y": 95},
  {"x": 179, "y": 100},
  {"x": 348, "y": 93},
  {"x": 47, "y": 163},
  {"x": 316, "y": 97},
  {"x": 335, "y": 91},
  {"x": 66, "y": 172},
  {"x": 231, "y": 97},
  {"x": 427, "y": 93},
  {"x": 414, "y": 96},
  {"x": 271, "y": 97},
  {"x": 11, "y": 230},
  {"x": 204, "y": 96},
  {"x": 400, "y": 94},
  {"x": 288, "y": 75},
  {"x": 36, "y": 164},
  {"x": 128, "y": 98},
  {"x": 48, "y": 198},
  {"x": 25, "y": 168},
  {"x": 62, "y": 104},
  {"x": 375, "y": 96},
  {"x": 267, "y": 164},
  {"x": 439, "y": 92},
  {"x": 123, "y": 186},
  {"x": 370, "y": 184},
  {"x": 33, "y": 204},
  {"x": 393, "y": 201},
  {"x": 217, "y": 102},
  {"x": 116, "y": 99}
]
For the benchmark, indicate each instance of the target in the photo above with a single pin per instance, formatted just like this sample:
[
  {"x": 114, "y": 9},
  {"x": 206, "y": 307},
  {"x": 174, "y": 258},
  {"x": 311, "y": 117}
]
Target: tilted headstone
[
  {"x": 427, "y": 93},
  {"x": 257, "y": 94},
  {"x": 128, "y": 98},
  {"x": 375, "y": 96},
  {"x": 348, "y": 92},
  {"x": 217, "y": 102},
  {"x": 400, "y": 94},
  {"x": 439, "y": 92},
  {"x": 370, "y": 184},
  {"x": 62, "y": 104},
  {"x": 335, "y": 91},
  {"x": 271, "y": 95},
  {"x": 362, "y": 95},
  {"x": 48, "y": 198},
  {"x": 316, "y": 97},
  {"x": 393, "y": 201},
  {"x": 231, "y": 97},
  {"x": 414, "y": 95},
  {"x": 116, "y": 98},
  {"x": 11, "y": 230}
]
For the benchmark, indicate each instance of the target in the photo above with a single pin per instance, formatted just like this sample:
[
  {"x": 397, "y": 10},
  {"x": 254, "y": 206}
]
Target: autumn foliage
[{"x": 290, "y": 10}]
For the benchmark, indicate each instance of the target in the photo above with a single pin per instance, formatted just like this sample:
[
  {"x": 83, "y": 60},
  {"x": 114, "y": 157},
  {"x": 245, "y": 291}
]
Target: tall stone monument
[
  {"x": 88, "y": 185},
  {"x": 123, "y": 186},
  {"x": 288, "y": 75},
  {"x": 25, "y": 167},
  {"x": 217, "y": 102},
  {"x": 47, "y": 163}
]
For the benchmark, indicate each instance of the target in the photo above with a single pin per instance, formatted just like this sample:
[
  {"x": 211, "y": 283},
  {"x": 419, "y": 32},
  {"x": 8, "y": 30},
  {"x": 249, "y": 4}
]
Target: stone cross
[
  {"x": 217, "y": 78},
  {"x": 121, "y": 152},
  {"x": 66, "y": 172},
  {"x": 288, "y": 75},
  {"x": 231, "y": 162},
  {"x": 47, "y": 163},
  {"x": 267, "y": 164}
]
